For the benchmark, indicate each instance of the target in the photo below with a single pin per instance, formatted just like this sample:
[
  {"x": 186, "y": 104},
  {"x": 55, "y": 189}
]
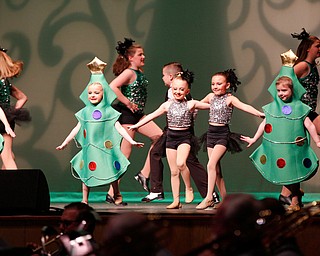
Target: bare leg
[
  {"x": 220, "y": 182},
  {"x": 115, "y": 187},
  {"x": 126, "y": 149},
  {"x": 175, "y": 177},
  {"x": 316, "y": 123},
  {"x": 285, "y": 191},
  {"x": 285, "y": 196},
  {"x": 182, "y": 155},
  {"x": 117, "y": 196},
  {"x": 7, "y": 155},
  {"x": 85, "y": 193},
  {"x": 150, "y": 130},
  {"x": 215, "y": 154},
  {"x": 296, "y": 193},
  {"x": 295, "y": 200},
  {"x": 153, "y": 132}
]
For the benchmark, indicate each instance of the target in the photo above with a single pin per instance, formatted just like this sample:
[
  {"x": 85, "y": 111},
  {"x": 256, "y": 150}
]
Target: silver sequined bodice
[
  {"x": 219, "y": 111},
  {"x": 179, "y": 115}
]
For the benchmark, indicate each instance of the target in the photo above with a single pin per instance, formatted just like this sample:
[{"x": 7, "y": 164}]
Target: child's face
[
  {"x": 284, "y": 92},
  {"x": 95, "y": 93},
  {"x": 166, "y": 77},
  {"x": 219, "y": 85},
  {"x": 180, "y": 89},
  {"x": 314, "y": 49},
  {"x": 138, "y": 58}
]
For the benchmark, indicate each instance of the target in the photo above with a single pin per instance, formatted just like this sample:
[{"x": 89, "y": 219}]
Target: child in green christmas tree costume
[
  {"x": 285, "y": 156},
  {"x": 100, "y": 160}
]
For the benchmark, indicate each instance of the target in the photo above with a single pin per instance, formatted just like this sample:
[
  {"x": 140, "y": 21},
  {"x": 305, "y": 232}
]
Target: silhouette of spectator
[
  {"x": 132, "y": 234},
  {"x": 77, "y": 224},
  {"x": 73, "y": 216},
  {"x": 245, "y": 226}
]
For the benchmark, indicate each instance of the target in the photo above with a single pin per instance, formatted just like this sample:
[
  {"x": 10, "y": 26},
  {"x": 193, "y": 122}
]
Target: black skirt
[{"x": 15, "y": 116}]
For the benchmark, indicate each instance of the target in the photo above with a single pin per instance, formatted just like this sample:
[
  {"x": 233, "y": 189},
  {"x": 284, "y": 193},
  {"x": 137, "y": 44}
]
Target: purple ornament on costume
[{"x": 96, "y": 114}]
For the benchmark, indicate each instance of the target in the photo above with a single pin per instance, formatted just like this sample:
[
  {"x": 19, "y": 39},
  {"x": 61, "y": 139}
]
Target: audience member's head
[
  {"x": 77, "y": 224},
  {"x": 243, "y": 225},
  {"x": 235, "y": 225},
  {"x": 78, "y": 216},
  {"x": 132, "y": 234}
]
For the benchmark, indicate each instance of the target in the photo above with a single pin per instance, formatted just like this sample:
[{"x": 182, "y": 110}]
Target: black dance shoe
[
  {"x": 143, "y": 181},
  {"x": 285, "y": 200},
  {"x": 152, "y": 196},
  {"x": 110, "y": 200}
]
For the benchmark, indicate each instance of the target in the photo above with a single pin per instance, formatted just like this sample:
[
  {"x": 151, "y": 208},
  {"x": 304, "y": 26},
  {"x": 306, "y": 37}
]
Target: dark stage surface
[{"x": 147, "y": 208}]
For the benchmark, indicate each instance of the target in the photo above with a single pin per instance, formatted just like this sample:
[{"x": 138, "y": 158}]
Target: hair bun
[
  {"x": 123, "y": 46},
  {"x": 303, "y": 35}
]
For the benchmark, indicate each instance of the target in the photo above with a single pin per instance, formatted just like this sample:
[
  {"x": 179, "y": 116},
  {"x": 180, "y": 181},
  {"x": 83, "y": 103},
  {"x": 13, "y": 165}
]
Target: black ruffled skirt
[
  {"x": 15, "y": 116},
  {"x": 229, "y": 139}
]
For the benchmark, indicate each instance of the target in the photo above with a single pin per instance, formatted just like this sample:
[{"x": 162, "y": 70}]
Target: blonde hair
[
  {"x": 8, "y": 67},
  {"x": 284, "y": 80},
  {"x": 96, "y": 83}
]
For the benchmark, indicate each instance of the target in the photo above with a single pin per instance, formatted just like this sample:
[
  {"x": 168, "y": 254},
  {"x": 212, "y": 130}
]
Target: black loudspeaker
[{"x": 23, "y": 191}]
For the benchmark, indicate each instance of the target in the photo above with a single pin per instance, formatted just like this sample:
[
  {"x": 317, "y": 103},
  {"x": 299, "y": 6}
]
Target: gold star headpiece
[
  {"x": 288, "y": 58},
  {"x": 96, "y": 66}
]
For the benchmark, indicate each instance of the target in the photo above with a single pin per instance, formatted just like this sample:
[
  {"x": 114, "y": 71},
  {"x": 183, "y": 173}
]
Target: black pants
[{"x": 197, "y": 171}]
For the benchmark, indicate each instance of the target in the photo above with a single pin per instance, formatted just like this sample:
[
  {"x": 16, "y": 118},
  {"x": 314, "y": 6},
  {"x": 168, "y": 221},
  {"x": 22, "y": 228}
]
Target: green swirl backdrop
[{"x": 56, "y": 38}]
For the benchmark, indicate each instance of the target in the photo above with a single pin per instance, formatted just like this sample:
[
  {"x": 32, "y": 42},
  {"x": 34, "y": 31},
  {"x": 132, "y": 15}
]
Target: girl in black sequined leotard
[
  {"x": 130, "y": 86},
  {"x": 9, "y": 69}
]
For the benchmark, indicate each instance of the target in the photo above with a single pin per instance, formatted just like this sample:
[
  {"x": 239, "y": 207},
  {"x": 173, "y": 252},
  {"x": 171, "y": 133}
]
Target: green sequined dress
[
  {"x": 136, "y": 92},
  {"x": 13, "y": 115}
]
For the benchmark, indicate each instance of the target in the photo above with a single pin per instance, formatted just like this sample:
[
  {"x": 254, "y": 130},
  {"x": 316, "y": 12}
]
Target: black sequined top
[
  {"x": 13, "y": 115},
  {"x": 310, "y": 83},
  {"x": 5, "y": 91}
]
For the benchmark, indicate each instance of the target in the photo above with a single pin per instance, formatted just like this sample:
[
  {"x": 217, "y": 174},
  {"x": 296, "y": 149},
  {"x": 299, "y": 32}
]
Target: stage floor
[
  {"x": 145, "y": 208},
  {"x": 97, "y": 201}
]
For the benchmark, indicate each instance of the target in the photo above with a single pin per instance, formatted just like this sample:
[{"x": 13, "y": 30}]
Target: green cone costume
[
  {"x": 100, "y": 160},
  {"x": 285, "y": 156}
]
